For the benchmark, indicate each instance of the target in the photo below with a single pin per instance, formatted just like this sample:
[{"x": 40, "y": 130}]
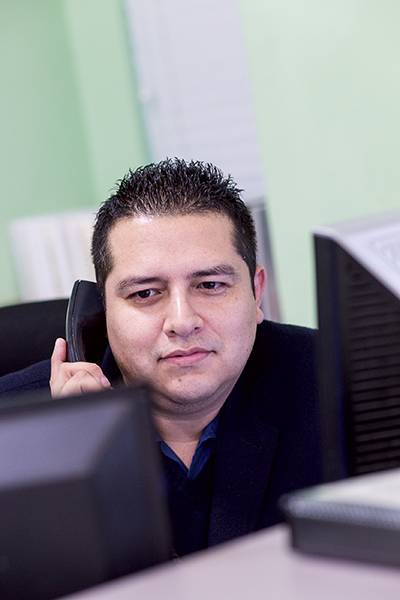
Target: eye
[
  {"x": 211, "y": 285},
  {"x": 143, "y": 294}
]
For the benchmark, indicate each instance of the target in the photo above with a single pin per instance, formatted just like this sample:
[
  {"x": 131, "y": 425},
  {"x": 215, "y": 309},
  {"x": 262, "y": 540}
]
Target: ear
[{"x": 260, "y": 279}]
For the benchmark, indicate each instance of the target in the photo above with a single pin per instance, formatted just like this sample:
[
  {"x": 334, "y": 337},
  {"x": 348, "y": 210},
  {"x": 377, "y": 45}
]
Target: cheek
[
  {"x": 130, "y": 335},
  {"x": 128, "y": 347},
  {"x": 240, "y": 333},
  {"x": 250, "y": 328},
  {"x": 120, "y": 333}
]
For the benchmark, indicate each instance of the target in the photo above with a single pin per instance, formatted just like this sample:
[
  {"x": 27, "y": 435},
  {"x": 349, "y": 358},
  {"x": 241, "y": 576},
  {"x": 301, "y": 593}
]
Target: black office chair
[{"x": 28, "y": 332}]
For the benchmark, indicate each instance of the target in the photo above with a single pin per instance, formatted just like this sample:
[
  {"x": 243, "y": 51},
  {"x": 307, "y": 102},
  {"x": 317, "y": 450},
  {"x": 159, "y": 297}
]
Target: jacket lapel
[{"x": 245, "y": 452}]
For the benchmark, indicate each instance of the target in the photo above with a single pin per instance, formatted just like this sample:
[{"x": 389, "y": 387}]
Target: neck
[{"x": 182, "y": 432}]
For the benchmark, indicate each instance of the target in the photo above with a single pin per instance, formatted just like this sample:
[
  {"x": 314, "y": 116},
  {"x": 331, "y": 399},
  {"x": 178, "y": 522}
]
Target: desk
[{"x": 261, "y": 566}]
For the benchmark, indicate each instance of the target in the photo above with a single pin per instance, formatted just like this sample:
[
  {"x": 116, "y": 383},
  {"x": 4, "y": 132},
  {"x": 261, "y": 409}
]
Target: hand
[{"x": 74, "y": 378}]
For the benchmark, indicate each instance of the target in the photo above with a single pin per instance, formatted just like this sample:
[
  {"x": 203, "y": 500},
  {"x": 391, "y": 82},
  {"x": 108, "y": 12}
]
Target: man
[{"x": 234, "y": 404}]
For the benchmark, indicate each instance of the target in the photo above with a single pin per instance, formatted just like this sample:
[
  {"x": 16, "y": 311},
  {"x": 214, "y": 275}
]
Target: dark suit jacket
[
  {"x": 29, "y": 380},
  {"x": 267, "y": 442}
]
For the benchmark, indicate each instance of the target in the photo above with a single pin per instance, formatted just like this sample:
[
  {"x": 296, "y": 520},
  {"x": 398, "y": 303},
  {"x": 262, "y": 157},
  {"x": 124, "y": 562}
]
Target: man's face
[{"x": 181, "y": 312}]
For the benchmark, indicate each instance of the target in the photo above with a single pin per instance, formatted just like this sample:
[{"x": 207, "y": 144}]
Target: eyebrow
[
  {"x": 130, "y": 281},
  {"x": 216, "y": 270}
]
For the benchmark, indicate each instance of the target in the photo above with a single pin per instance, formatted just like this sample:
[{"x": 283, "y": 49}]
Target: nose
[{"x": 182, "y": 318}]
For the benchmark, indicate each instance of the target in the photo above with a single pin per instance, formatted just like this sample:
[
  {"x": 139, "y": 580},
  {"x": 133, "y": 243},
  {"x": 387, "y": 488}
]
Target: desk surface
[{"x": 259, "y": 566}]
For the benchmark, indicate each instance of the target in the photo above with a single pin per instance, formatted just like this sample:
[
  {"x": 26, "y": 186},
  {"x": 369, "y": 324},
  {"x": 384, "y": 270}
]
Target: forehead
[{"x": 171, "y": 240}]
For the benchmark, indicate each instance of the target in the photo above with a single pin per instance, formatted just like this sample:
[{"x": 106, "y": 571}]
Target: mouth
[{"x": 186, "y": 358}]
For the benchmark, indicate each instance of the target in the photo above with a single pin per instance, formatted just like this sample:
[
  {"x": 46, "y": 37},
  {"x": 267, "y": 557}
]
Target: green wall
[
  {"x": 326, "y": 82},
  {"x": 43, "y": 155},
  {"x": 69, "y": 122},
  {"x": 106, "y": 88}
]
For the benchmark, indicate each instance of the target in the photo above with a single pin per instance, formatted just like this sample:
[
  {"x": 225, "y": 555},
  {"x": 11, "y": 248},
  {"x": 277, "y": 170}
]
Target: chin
[{"x": 187, "y": 399}]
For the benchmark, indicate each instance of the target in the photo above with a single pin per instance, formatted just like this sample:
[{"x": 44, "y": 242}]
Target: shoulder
[
  {"x": 30, "y": 379},
  {"x": 281, "y": 333},
  {"x": 281, "y": 346},
  {"x": 282, "y": 367},
  {"x": 281, "y": 372}
]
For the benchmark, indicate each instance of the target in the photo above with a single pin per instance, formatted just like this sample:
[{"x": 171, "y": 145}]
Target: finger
[
  {"x": 59, "y": 355},
  {"x": 77, "y": 378},
  {"x": 84, "y": 382},
  {"x": 58, "y": 358}
]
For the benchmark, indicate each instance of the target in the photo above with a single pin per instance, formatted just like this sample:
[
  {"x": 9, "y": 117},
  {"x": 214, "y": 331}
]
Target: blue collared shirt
[{"x": 202, "y": 453}]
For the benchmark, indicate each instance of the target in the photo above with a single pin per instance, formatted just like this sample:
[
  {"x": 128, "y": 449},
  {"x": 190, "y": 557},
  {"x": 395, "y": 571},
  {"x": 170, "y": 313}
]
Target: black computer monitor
[
  {"x": 358, "y": 293},
  {"x": 81, "y": 498}
]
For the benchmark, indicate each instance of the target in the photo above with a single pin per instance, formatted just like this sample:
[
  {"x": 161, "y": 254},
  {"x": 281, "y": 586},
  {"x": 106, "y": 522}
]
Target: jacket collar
[{"x": 245, "y": 451}]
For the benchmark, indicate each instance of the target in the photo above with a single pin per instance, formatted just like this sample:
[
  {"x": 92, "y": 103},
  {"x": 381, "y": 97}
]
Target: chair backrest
[{"x": 28, "y": 332}]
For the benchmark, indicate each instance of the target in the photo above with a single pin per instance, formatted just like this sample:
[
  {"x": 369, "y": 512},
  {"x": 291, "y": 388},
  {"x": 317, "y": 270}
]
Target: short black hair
[{"x": 173, "y": 187}]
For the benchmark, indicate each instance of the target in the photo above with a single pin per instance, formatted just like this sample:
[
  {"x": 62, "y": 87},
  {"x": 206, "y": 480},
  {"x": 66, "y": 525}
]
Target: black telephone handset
[{"x": 86, "y": 324}]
